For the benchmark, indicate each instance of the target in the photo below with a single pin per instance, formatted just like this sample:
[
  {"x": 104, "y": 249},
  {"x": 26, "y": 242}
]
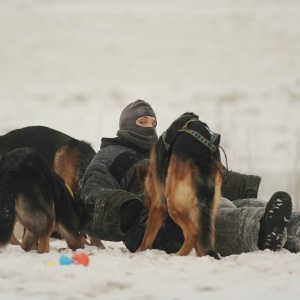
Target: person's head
[{"x": 137, "y": 125}]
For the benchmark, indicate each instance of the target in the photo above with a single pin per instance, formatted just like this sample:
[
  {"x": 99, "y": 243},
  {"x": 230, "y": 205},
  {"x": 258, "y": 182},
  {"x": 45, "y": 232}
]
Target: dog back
[
  {"x": 185, "y": 146},
  {"x": 65, "y": 155}
]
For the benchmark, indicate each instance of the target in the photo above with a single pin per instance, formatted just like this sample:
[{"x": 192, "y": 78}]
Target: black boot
[{"x": 273, "y": 223}]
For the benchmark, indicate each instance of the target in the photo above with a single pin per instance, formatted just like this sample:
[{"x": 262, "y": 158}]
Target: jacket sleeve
[
  {"x": 239, "y": 186},
  {"x": 104, "y": 192}
]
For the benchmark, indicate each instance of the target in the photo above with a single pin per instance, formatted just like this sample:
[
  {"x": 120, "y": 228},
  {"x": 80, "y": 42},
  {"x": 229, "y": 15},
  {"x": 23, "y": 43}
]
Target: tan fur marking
[
  {"x": 178, "y": 196},
  {"x": 66, "y": 164},
  {"x": 39, "y": 226},
  {"x": 154, "y": 200},
  {"x": 182, "y": 201},
  {"x": 73, "y": 242},
  {"x": 44, "y": 241},
  {"x": 96, "y": 242},
  {"x": 217, "y": 200},
  {"x": 13, "y": 239}
]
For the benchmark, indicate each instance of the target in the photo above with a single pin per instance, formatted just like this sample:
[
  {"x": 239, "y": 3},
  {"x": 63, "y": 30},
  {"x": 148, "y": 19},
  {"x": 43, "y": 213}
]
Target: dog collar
[
  {"x": 201, "y": 138},
  {"x": 208, "y": 143},
  {"x": 69, "y": 190}
]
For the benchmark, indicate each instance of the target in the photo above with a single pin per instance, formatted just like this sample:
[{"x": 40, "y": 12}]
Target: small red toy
[{"x": 81, "y": 258}]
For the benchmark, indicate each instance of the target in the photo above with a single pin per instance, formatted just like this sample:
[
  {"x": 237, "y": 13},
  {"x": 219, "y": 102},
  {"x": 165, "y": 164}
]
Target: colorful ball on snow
[
  {"x": 65, "y": 260},
  {"x": 81, "y": 258}
]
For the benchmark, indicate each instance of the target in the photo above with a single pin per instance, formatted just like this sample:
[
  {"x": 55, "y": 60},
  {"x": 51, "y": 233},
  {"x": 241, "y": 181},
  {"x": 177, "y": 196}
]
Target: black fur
[
  {"x": 48, "y": 142},
  {"x": 31, "y": 193},
  {"x": 185, "y": 146},
  {"x": 180, "y": 160}
]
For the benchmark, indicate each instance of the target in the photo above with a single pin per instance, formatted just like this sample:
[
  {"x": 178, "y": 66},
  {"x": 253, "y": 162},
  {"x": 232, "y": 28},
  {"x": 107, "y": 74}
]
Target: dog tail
[
  {"x": 7, "y": 214},
  {"x": 207, "y": 204}
]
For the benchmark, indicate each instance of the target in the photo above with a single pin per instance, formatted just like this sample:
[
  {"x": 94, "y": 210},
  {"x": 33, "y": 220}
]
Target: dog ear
[{"x": 141, "y": 172}]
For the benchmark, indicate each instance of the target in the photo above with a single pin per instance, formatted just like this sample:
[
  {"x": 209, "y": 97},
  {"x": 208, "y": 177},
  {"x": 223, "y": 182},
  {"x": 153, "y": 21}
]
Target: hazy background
[{"x": 73, "y": 65}]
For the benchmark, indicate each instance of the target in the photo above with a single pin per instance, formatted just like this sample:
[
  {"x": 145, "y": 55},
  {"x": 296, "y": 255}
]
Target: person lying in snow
[{"x": 112, "y": 198}]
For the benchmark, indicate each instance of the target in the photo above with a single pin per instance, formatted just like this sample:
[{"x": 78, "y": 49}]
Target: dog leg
[
  {"x": 44, "y": 244},
  {"x": 155, "y": 220},
  {"x": 189, "y": 229},
  {"x": 14, "y": 240},
  {"x": 44, "y": 240},
  {"x": 96, "y": 242},
  {"x": 29, "y": 241},
  {"x": 73, "y": 239},
  {"x": 190, "y": 238},
  {"x": 182, "y": 201},
  {"x": 74, "y": 243}
]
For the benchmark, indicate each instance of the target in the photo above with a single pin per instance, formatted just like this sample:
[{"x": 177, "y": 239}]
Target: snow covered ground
[
  {"x": 73, "y": 65},
  {"x": 116, "y": 274}
]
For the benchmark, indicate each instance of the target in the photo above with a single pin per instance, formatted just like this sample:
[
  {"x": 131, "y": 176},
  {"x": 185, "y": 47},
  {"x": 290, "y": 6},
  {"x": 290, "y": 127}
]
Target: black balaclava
[{"x": 143, "y": 137}]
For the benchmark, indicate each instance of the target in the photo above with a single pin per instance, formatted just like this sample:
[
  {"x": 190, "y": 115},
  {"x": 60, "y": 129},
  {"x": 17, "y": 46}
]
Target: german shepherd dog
[
  {"x": 39, "y": 199},
  {"x": 184, "y": 180},
  {"x": 66, "y": 156}
]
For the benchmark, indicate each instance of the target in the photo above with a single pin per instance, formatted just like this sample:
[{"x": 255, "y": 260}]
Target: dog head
[
  {"x": 194, "y": 116},
  {"x": 189, "y": 114}
]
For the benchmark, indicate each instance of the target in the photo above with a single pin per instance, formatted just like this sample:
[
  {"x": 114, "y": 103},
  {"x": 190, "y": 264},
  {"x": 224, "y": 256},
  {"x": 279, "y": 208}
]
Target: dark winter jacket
[{"x": 110, "y": 182}]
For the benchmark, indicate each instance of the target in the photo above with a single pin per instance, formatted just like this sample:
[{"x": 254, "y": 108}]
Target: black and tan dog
[
  {"x": 184, "y": 179},
  {"x": 39, "y": 199},
  {"x": 65, "y": 155}
]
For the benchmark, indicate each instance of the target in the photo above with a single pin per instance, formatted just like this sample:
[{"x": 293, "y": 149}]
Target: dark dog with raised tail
[
  {"x": 66, "y": 156},
  {"x": 184, "y": 180},
  {"x": 39, "y": 199}
]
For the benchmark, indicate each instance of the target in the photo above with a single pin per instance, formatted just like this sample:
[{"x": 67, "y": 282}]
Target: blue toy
[{"x": 65, "y": 260}]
